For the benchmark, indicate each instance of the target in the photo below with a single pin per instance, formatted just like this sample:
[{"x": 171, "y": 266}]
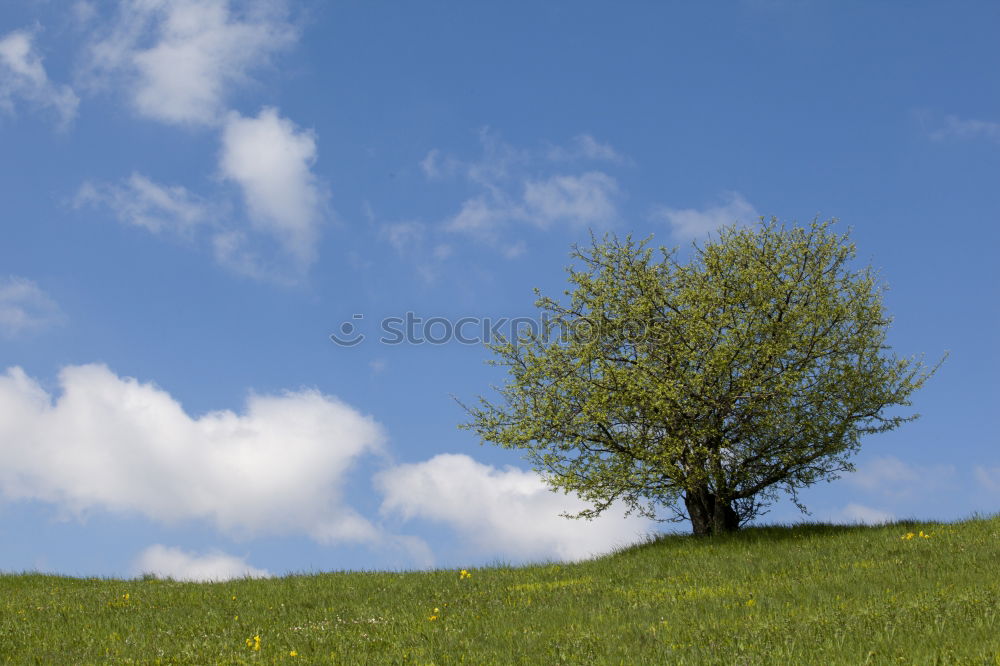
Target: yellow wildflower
[
  {"x": 293, "y": 653},
  {"x": 432, "y": 618},
  {"x": 464, "y": 574},
  {"x": 254, "y": 643},
  {"x": 907, "y": 536},
  {"x": 751, "y": 603}
]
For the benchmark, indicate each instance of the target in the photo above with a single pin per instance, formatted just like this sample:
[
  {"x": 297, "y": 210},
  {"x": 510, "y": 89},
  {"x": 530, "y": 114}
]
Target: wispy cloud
[
  {"x": 509, "y": 512},
  {"x": 988, "y": 478},
  {"x": 511, "y": 188},
  {"x": 83, "y": 12},
  {"x": 404, "y": 237},
  {"x": 587, "y": 200},
  {"x": 141, "y": 202},
  {"x": 179, "y": 59},
  {"x": 692, "y": 223},
  {"x": 415, "y": 242},
  {"x": 865, "y": 515},
  {"x": 25, "y": 307},
  {"x": 22, "y": 75},
  {"x": 964, "y": 128},
  {"x": 164, "y": 562},
  {"x": 483, "y": 214},
  {"x": 883, "y": 472},
  {"x": 891, "y": 478},
  {"x": 586, "y": 147}
]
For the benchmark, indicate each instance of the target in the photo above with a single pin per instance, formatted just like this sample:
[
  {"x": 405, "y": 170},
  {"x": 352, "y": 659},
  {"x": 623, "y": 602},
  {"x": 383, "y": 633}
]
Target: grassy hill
[{"x": 809, "y": 594}]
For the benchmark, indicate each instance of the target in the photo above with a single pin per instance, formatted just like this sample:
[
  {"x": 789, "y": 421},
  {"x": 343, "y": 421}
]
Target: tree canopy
[{"x": 706, "y": 388}]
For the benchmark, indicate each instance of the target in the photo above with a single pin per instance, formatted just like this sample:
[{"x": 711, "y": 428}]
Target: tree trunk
[{"x": 709, "y": 514}]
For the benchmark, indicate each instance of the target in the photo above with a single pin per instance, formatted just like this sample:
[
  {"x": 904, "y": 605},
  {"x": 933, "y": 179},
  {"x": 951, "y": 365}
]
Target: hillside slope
[{"x": 806, "y": 594}]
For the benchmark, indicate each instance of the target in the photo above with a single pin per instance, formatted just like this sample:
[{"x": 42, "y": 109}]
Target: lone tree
[{"x": 705, "y": 387}]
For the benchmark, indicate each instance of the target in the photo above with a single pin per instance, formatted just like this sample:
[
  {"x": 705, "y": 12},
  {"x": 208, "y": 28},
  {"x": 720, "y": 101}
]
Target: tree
[{"x": 707, "y": 387}]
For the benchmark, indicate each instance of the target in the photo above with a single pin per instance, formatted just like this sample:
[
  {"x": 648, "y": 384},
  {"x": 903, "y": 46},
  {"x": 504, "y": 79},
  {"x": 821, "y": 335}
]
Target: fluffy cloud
[
  {"x": 24, "y": 307},
  {"x": 689, "y": 223},
  {"x": 114, "y": 443},
  {"x": 270, "y": 159},
  {"x": 175, "y": 563},
  {"x": 179, "y": 58},
  {"x": 23, "y": 75},
  {"x": 143, "y": 203},
  {"x": 509, "y": 512}
]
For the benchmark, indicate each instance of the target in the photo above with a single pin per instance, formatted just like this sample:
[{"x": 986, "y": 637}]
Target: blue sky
[{"x": 196, "y": 195}]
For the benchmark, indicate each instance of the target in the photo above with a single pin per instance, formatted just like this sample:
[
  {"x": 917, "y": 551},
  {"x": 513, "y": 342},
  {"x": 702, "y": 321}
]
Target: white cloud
[
  {"x": 143, "y": 203},
  {"x": 880, "y": 472},
  {"x": 959, "y": 128},
  {"x": 114, "y": 443},
  {"x": 499, "y": 162},
  {"x": 271, "y": 159},
  {"x": 485, "y": 218},
  {"x": 232, "y": 249},
  {"x": 409, "y": 240},
  {"x": 164, "y": 562},
  {"x": 509, "y": 194},
  {"x": 586, "y": 147},
  {"x": 585, "y": 200},
  {"x": 513, "y": 250},
  {"x": 180, "y": 58},
  {"x": 83, "y": 12},
  {"x": 892, "y": 478},
  {"x": 482, "y": 215},
  {"x": 404, "y": 237},
  {"x": 24, "y": 307},
  {"x": 689, "y": 223},
  {"x": 859, "y": 513},
  {"x": 23, "y": 75},
  {"x": 432, "y": 166},
  {"x": 509, "y": 512},
  {"x": 158, "y": 208}
]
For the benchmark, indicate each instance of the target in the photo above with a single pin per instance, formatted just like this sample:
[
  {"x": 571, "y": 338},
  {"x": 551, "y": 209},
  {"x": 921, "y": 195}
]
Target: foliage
[
  {"x": 809, "y": 594},
  {"x": 705, "y": 387}
]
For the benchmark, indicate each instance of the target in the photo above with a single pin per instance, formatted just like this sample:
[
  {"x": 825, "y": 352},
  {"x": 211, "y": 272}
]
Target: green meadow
[{"x": 905, "y": 593}]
